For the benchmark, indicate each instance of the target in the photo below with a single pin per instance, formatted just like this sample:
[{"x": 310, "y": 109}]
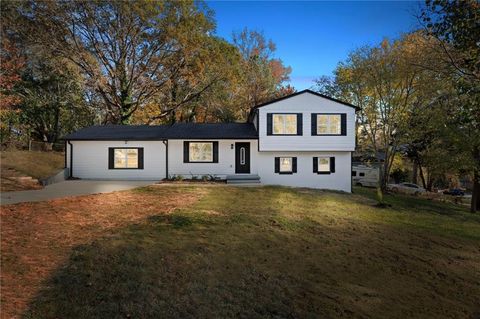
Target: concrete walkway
[{"x": 69, "y": 188}]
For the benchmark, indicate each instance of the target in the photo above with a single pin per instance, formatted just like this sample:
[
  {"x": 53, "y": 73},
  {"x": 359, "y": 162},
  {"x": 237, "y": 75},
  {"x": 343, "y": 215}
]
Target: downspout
[
  {"x": 65, "y": 156},
  {"x": 165, "y": 142},
  {"x": 71, "y": 159}
]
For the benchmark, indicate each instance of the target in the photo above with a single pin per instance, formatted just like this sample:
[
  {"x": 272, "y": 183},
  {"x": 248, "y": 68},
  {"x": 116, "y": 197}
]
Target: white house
[{"x": 305, "y": 139}]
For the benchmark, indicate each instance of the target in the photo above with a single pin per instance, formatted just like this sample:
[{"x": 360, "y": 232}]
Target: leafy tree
[
  {"x": 127, "y": 50},
  {"x": 381, "y": 80},
  {"x": 11, "y": 65},
  {"x": 53, "y": 101},
  {"x": 263, "y": 76},
  {"x": 455, "y": 25}
]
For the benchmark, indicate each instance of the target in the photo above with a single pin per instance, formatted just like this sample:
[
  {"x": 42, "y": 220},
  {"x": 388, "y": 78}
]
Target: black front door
[{"x": 242, "y": 158}]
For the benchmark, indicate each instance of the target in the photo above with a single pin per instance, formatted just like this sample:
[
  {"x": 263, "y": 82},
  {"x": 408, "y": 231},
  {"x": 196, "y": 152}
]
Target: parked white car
[{"x": 406, "y": 188}]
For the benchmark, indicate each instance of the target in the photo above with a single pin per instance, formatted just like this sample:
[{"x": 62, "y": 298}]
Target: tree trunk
[
  {"x": 415, "y": 172},
  {"x": 422, "y": 177},
  {"x": 475, "y": 204}
]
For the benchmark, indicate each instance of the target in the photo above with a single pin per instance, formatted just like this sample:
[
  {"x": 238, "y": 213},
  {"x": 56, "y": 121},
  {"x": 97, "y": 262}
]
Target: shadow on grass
[
  {"x": 174, "y": 267},
  {"x": 200, "y": 264}
]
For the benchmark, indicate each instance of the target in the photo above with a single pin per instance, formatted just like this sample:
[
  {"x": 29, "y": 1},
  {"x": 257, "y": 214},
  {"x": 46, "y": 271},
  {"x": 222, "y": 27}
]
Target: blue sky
[{"x": 312, "y": 37}]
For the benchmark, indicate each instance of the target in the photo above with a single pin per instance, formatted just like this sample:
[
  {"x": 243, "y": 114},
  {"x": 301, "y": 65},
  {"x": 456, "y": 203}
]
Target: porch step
[{"x": 243, "y": 179}]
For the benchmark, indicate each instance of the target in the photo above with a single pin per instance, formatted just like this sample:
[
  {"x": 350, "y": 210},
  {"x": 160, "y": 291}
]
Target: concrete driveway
[{"x": 69, "y": 188}]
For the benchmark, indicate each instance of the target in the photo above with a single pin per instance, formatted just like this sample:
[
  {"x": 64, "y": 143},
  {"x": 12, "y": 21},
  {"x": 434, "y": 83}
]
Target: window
[
  {"x": 362, "y": 174},
  {"x": 284, "y": 124},
  {"x": 323, "y": 165},
  {"x": 242, "y": 155},
  {"x": 125, "y": 158},
  {"x": 329, "y": 124},
  {"x": 285, "y": 164},
  {"x": 354, "y": 173},
  {"x": 200, "y": 152}
]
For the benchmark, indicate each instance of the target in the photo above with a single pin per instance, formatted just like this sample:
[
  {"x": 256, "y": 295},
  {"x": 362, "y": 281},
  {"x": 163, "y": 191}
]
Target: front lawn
[{"x": 237, "y": 252}]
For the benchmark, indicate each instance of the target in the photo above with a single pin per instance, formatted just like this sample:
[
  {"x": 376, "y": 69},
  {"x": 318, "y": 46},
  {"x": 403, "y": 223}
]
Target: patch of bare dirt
[{"x": 37, "y": 237}]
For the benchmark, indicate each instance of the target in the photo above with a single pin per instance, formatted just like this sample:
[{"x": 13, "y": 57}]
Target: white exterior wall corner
[
  {"x": 90, "y": 160},
  {"x": 306, "y": 104}
]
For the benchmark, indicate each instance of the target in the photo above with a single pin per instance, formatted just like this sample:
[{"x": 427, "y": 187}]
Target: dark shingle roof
[
  {"x": 211, "y": 130},
  {"x": 158, "y": 132},
  {"x": 118, "y": 132}
]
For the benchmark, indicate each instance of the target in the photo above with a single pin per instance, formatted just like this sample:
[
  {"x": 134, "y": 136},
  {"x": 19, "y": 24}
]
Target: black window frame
[
  {"x": 111, "y": 158},
  {"x": 331, "y": 162},
  {"x": 270, "y": 123},
  {"x": 186, "y": 152},
  {"x": 343, "y": 124},
  {"x": 277, "y": 165}
]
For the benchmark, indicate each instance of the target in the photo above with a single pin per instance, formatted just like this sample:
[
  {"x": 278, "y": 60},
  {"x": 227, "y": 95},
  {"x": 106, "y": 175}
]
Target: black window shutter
[
  {"x": 299, "y": 124},
  {"x": 215, "y": 152},
  {"x": 277, "y": 164},
  {"x": 315, "y": 164},
  {"x": 332, "y": 164},
  {"x": 140, "y": 158},
  {"x": 111, "y": 157},
  {"x": 269, "y": 124},
  {"x": 294, "y": 164},
  {"x": 185, "y": 152},
  {"x": 314, "y": 124},
  {"x": 343, "y": 121}
]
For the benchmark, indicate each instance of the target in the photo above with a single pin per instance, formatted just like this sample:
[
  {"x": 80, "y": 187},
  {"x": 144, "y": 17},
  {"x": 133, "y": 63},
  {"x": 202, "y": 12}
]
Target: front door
[{"x": 242, "y": 158}]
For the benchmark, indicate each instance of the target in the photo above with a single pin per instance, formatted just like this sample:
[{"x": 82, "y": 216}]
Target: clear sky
[{"x": 312, "y": 37}]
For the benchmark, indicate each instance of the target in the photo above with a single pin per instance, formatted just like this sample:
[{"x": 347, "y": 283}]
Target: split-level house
[{"x": 304, "y": 139}]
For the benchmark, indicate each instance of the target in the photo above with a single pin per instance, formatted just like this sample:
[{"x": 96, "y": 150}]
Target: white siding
[
  {"x": 307, "y": 104},
  {"x": 340, "y": 180},
  {"x": 225, "y": 165},
  {"x": 90, "y": 160}
]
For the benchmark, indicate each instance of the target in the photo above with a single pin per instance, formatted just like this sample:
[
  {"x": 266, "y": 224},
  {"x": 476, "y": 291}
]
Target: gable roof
[
  {"x": 161, "y": 132},
  {"x": 307, "y": 91}
]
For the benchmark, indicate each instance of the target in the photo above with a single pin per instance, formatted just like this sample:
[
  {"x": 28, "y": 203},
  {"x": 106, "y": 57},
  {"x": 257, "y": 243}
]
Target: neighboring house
[{"x": 305, "y": 139}]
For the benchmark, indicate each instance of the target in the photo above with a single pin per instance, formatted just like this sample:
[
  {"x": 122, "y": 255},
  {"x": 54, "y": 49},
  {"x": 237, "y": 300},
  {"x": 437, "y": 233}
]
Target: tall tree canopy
[
  {"x": 455, "y": 24},
  {"x": 127, "y": 50}
]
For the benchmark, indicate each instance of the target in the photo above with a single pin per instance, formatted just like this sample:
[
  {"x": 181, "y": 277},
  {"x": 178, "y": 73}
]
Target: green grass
[
  {"x": 273, "y": 252},
  {"x": 31, "y": 163}
]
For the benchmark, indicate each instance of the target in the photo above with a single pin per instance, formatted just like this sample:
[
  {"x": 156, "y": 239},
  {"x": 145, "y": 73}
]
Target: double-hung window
[
  {"x": 329, "y": 124},
  {"x": 125, "y": 158},
  {"x": 284, "y": 124},
  {"x": 200, "y": 152}
]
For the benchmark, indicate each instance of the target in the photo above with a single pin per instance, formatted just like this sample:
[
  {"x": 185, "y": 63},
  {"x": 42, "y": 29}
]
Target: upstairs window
[
  {"x": 329, "y": 124},
  {"x": 284, "y": 124}
]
